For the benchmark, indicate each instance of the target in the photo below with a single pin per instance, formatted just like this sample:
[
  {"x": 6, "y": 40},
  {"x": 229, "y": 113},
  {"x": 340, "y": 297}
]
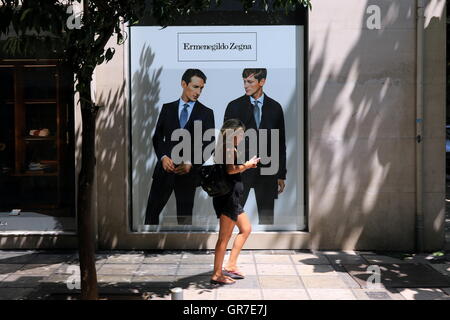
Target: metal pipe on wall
[{"x": 419, "y": 223}]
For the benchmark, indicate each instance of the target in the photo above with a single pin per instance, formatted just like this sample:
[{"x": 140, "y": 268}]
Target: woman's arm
[
  {"x": 233, "y": 169},
  {"x": 237, "y": 168}
]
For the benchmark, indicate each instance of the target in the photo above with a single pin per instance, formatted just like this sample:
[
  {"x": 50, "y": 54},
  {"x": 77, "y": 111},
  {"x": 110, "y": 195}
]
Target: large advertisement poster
[{"x": 195, "y": 78}]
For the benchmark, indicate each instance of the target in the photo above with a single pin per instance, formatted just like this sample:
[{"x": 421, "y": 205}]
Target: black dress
[{"x": 230, "y": 204}]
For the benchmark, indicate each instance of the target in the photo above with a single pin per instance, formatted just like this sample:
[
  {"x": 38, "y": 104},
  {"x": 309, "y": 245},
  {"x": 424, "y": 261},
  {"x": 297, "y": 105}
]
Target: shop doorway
[{"x": 37, "y": 166}]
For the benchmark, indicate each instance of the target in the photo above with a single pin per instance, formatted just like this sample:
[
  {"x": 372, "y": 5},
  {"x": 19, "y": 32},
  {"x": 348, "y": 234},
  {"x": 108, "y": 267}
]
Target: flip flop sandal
[
  {"x": 222, "y": 283},
  {"x": 233, "y": 274}
]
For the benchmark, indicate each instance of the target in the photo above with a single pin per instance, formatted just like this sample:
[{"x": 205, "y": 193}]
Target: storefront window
[
  {"x": 214, "y": 71},
  {"x": 36, "y": 146}
]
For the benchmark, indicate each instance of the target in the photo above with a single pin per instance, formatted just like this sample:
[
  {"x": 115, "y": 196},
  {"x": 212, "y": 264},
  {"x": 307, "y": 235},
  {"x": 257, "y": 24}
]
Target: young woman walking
[{"x": 228, "y": 207}]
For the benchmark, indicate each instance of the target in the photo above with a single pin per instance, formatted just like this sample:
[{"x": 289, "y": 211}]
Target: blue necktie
[
  {"x": 257, "y": 114},
  {"x": 184, "y": 115}
]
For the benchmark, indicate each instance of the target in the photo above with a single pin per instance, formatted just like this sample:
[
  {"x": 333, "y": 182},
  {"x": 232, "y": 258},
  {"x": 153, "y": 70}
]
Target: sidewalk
[{"x": 270, "y": 275}]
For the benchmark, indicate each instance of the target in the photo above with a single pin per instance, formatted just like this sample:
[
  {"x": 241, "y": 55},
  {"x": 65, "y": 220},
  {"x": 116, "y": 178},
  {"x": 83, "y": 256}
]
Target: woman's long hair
[
  {"x": 229, "y": 127},
  {"x": 232, "y": 124}
]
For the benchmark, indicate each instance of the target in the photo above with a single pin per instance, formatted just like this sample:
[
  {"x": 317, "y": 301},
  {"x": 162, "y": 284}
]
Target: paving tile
[
  {"x": 243, "y": 252},
  {"x": 57, "y": 280},
  {"x": 343, "y": 274},
  {"x": 363, "y": 252},
  {"x": 262, "y": 252},
  {"x": 247, "y": 259},
  {"x": 318, "y": 270},
  {"x": 283, "y": 294},
  {"x": 153, "y": 293},
  {"x": 191, "y": 270},
  {"x": 239, "y": 294},
  {"x": 118, "y": 269},
  {"x": 423, "y": 294},
  {"x": 345, "y": 258},
  {"x": 378, "y": 294},
  {"x": 336, "y": 252},
  {"x": 274, "y": 259},
  {"x": 194, "y": 265},
  {"x": 43, "y": 258},
  {"x": 16, "y": 257},
  {"x": 99, "y": 258},
  {"x": 172, "y": 258},
  {"x": 44, "y": 292},
  {"x": 250, "y": 282},
  {"x": 153, "y": 281},
  {"x": 394, "y": 293},
  {"x": 193, "y": 282},
  {"x": 309, "y": 258},
  {"x": 247, "y": 269},
  {"x": 197, "y": 258},
  {"x": 13, "y": 252},
  {"x": 125, "y": 258},
  {"x": 21, "y": 281},
  {"x": 283, "y": 251},
  {"x": 73, "y": 267},
  {"x": 156, "y": 270},
  {"x": 276, "y": 270},
  {"x": 199, "y": 294},
  {"x": 137, "y": 293},
  {"x": 399, "y": 275},
  {"x": 157, "y": 296},
  {"x": 280, "y": 282},
  {"x": 38, "y": 269},
  {"x": 206, "y": 285},
  {"x": 364, "y": 294},
  {"x": 114, "y": 279},
  {"x": 331, "y": 294},
  {"x": 205, "y": 252},
  {"x": 446, "y": 290},
  {"x": 442, "y": 268},
  {"x": 15, "y": 293},
  {"x": 420, "y": 258},
  {"x": 325, "y": 282},
  {"x": 10, "y": 268},
  {"x": 348, "y": 280},
  {"x": 377, "y": 259}
]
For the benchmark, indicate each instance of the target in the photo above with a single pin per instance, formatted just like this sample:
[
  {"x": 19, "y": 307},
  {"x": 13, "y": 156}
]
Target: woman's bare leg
[
  {"x": 245, "y": 228},
  {"x": 225, "y": 231}
]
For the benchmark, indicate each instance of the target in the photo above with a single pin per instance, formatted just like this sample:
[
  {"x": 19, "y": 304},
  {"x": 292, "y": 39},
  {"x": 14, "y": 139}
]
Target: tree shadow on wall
[
  {"x": 146, "y": 87},
  {"x": 362, "y": 132}
]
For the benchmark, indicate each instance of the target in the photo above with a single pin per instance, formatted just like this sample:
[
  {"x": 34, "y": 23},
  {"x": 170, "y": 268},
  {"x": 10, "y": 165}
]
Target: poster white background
[{"x": 155, "y": 79}]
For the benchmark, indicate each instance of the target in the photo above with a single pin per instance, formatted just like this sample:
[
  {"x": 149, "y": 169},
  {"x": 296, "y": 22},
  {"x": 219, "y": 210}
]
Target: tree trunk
[{"x": 85, "y": 216}]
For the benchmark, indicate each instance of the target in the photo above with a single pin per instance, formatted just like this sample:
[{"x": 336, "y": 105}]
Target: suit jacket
[
  {"x": 168, "y": 121},
  {"x": 271, "y": 118}
]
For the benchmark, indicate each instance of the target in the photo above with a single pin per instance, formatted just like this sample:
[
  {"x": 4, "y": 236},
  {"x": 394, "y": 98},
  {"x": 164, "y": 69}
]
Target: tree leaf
[{"x": 109, "y": 54}]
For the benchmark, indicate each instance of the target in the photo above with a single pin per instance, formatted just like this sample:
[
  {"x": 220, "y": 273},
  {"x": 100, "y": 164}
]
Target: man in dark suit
[
  {"x": 258, "y": 111},
  {"x": 169, "y": 175}
]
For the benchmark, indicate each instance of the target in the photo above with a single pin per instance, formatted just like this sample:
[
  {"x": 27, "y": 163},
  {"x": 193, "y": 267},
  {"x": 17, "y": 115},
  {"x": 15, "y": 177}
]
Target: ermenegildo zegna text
[{"x": 217, "y": 46}]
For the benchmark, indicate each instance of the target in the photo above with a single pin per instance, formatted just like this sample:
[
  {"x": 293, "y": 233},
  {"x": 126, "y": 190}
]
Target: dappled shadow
[
  {"x": 145, "y": 99},
  {"x": 191, "y": 271},
  {"x": 362, "y": 131}
]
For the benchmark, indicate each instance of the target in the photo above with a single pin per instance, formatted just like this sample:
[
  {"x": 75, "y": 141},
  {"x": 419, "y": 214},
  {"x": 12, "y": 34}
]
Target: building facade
[{"x": 371, "y": 118}]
